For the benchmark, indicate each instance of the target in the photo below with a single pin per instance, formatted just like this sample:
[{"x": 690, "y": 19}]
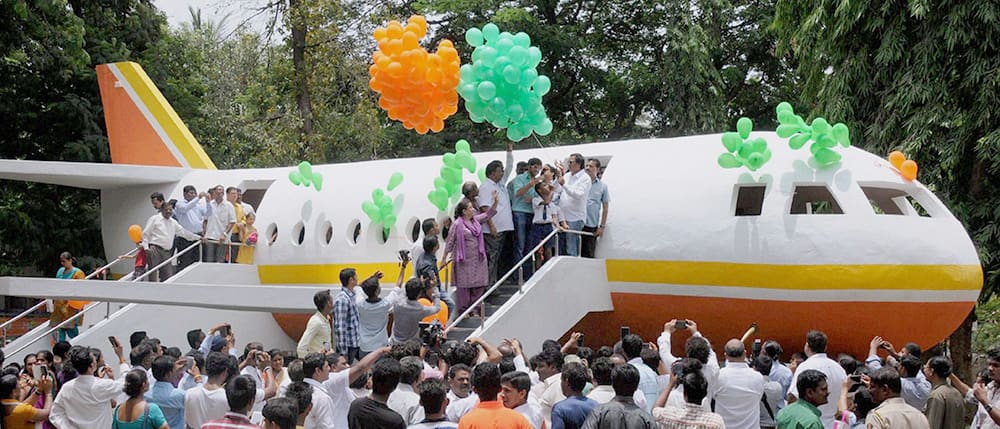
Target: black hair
[
  {"x": 772, "y": 349},
  {"x": 251, "y": 346},
  {"x": 371, "y": 287},
  {"x": 8, "y": 383},
  {"x": 199, "y": 359},
  {"x": 427, "y": 225},
  {"x": 507, "y": 365},
  {"x": 799, "y": 355},
  {"x": 695, "y": 387},
  {"x": 281, "y": 411},
  {"x": 240, "y": 392},
  {"x": 430, "y": 243},
  {"x": 551, "y": 358},
  {"x": 300, "y": 392},
  {"x": 912, "y": 349},
  {"x": 156, "y": 196},
  {"x": 625, "y": 379},
  {"x": 216, "y": 363},
  {"x": 534, "y": 161},
  {"x": 576, "y": 375},
  {"x": 48, "y": 357},
  {"x": 189, "y": 188},
  {"x": 385, "y": 376},
  {"x": 399, "y": 351},
  {"x": 551, "y": 345},
  {"x": 689, "y": 365},
  {"x": 601, "y": 368},
  {"x": 763, "y": 364},
  {"x": 462, "y": 205},
  {"x": 61, "y": 349},
  {"x": 411, "y": 366},
  {"x": 816, "y": 341},
  {"x": 163, "y": 366},
  {"x": 519, "y": 380},
  {"x": 632, "y": 346},
  {"x": 346, "y": 275},
  {"x": 888, "y": 377},
  {"x": 911, "y": 364},
  {"x": 464, "y": 354},
  {"x": 140, "y": 353},
  {"x": 605, "y": 351},
  {"x": 173, "y": 351},
  {"x": 578, "y": 159},
  {"x": 940, "y": 365},
  {"x": 231, "y": 189},
  {"x": 133, "y": 383},
  {"x": 585, "y": 353},
  {"x": 81, "y": 359},
  {"x": 848, "y": 362},
  {"x": 333, "y": 358},
  {"x": 433, "y": 392},
  {"x": 493, "y": 166},
  {"x": 809, "y": 379},
  {"x": 135, "y": 338},
  {"x": 414, "y": 287},
  {"x": 311, "y": 363},
  {"x": 321, "y": 298},
  {"x": 486, "y": 381},
  {"x": 650, "y": 358},
  {"x": 454, "y": 369},
  {"x": 864, "y": 402},
  {"x": 194, "y": 338}
]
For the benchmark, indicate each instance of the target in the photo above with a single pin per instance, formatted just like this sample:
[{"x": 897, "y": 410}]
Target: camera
[
  {"x": 404, "y": 255},
  {"x": 755, "y": 349},
  {"x": 431, "y": 333}
]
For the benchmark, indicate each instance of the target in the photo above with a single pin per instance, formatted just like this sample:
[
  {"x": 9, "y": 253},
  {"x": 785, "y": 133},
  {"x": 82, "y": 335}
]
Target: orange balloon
[
  {"x": 896, "y": 158},
  {"x": 135, "y": 233},
  {"x": 908, "y": 169}
]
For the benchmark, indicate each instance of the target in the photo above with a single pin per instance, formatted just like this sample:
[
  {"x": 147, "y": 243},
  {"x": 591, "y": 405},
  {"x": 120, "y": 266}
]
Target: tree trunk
[
  {"x": 960, "y": 343},
  {"x": 303, "y": 102}
]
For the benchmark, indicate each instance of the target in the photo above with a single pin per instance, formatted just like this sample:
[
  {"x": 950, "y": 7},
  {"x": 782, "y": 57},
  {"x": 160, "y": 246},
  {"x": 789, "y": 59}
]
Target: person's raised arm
[
  {"x": 842, "y": 400},
  {"x": 366, "y": 363},
  {"x": 45, "y": 389},
  {"x": 958, "y": 384},
  {"x": 983, "y": 397},
  {"x": 570, "y": 345},
  {"x": 183, "y": 232},
  {"x": 661, "y": 401},
  {"x": 492, "y": 353},
  {"x": 663, "y": 343}
]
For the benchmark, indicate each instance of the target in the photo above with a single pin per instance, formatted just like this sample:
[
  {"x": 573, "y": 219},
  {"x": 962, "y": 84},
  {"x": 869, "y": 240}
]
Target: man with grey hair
[
  {"x": 405, "y": 400},
  {"x": 739, "y": 390}
]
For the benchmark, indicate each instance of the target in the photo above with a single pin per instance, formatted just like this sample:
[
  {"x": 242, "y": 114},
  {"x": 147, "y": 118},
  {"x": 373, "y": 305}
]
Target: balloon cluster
[
  {"x": 381, "y": 208},
  {"x": 907, "y": 167},
  {"x": 502, "y": 86},
  {"x": 305, "y": 176},
  {"x": 824, "y": 136},
  {"x": 449, "y": 183},
  {"x": 417, "y": 87},
  {"x": 743, "y": 152},
  {"x": 135, "y": 233}
]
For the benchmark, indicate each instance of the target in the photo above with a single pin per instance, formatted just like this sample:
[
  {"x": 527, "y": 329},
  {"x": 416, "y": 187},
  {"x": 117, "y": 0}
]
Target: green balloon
[
  {"x": 522, "y": 39},
  {"x": 449, "y": 160},
  {"x": 796, "y": 142},
  {"x": 542, "y": 85},
  {"x": 377, "y": 194},
  {"x": 389, "y": 221},
  {"x": 842, "y": 134},
  {"x": 474, "y": 37},
  {"x": 534, "y": 56},
  {"x": 784, "y": 106},
  {"x": 731, "y": 141},
  {"x": 439, "y": 183},
  {"x": 755, "y": 161},
  {"x": 466, "y": 161},
  {"x": 454, "y": 189},
  {"x": 767, "y": 155},
  {"x": 295, "y": 177},
  {"x": 518, "y": 56},
  {"x": 482, "y": 174},
  {"x": 438, "y": 197},
  {"x": 826, "y": 157},
  {"x": 394, "y": 180},
  {"x": 369, "y": 209},
  {"x": 727, "y": 160},
  {"x": 759, "y": 144},
  {"x": 486, "y": 90},
  {"x": 820, "y": 126},
  {"x": 785, "y": 117},
  {"x": 305, "y": 168},
  {"x": 462, "y": 146},
  {"x": 744, "y": 126},
  {"x": 787, "y": 130},
  {"x": 317, "y": 181},
  {"x": 511, "y": 75},
  {"x": 491, "y": 32},
  {"x": 451, "y": 174},
  {"x": 544, "y": 128}
]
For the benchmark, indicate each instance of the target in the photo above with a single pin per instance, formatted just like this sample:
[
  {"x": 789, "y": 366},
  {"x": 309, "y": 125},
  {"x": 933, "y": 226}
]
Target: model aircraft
[{"x": 854, "y": 250}]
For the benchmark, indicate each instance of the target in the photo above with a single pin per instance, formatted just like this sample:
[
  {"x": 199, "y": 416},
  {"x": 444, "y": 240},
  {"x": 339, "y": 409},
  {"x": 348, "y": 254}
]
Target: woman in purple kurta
[{"x": 465, "y": 245}]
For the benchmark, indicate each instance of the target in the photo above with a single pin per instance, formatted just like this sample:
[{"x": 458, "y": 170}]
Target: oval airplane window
[
  {"x": 414, "y": 230},
  {"x": 353, "y": 232},
  {"x": 327, "y": 233},
  {"x": 272, "y": 233},
  {"x": 298, "y": 234}
]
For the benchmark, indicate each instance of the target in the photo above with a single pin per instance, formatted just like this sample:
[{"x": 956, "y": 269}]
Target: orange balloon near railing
[{"x": 135, "y": 233}]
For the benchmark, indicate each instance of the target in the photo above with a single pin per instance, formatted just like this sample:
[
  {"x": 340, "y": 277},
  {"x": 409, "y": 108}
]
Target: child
[
  {"x": 140, "y": 261},
  {"x": 248, "y": 236},
  {"x": 427, "y": 268},
  {"x": 545, "y": 220}
]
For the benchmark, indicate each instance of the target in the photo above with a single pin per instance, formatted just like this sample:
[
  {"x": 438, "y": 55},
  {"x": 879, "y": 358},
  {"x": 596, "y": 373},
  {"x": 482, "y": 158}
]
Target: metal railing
[
  {"x": 480, "y": 303},
  {"x": 6, "y": 325}
]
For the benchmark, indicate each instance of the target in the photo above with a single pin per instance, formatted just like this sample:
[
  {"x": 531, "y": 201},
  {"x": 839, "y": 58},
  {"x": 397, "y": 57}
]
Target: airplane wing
[{"x": 88, "y": 175}]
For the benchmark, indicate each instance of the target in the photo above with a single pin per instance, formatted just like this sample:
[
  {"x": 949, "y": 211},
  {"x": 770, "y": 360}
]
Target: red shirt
[
  {"x": 230, "y": 421},
  {"x": 492, "y": 414},
  {"x": 140, "y": 258}
]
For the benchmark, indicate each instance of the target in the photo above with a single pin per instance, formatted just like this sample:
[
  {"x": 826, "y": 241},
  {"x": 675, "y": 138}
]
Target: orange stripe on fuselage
[
  {"x": 849, "y": 325},
  {"x": 130, "y": 136}
]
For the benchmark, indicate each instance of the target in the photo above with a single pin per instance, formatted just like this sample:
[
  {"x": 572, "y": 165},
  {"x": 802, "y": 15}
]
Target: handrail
[
  {"x": 167, "y": 261},
  {"x": 517, "y": 267},
  {"x": 5, "y": 325}
]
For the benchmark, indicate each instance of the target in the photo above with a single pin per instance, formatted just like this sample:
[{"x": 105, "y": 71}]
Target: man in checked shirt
[{"x": 345, "y": 315}]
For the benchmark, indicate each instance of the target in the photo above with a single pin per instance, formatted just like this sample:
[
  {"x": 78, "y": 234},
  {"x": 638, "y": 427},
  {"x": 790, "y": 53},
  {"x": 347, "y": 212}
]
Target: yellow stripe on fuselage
[
  {"x": 798, "y": 277},
  {"x": 165, "y": 115},
  {"x": 767, "y": 276}
]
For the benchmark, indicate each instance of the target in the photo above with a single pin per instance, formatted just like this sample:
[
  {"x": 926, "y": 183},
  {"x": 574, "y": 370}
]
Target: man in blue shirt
[
  {"x": 167, "y": 370},
  {"x": 522, "y": 190},
  {"x": 570, "y": 413},
  {"x": 597, "y": 208}
]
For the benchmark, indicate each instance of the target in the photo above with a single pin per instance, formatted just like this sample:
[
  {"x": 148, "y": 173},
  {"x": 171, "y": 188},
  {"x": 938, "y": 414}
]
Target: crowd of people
[{"x": 411, "y": 381}]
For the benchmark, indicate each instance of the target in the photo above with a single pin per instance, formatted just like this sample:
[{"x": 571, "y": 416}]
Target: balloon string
[{"x": 537, "y": 141}]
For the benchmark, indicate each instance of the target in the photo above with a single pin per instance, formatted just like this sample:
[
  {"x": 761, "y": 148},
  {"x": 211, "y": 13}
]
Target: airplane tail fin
[{"x": 142, "y": 127}]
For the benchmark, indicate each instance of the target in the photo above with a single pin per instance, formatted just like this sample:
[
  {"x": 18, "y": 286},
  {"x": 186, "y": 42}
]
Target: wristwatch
[{"x": 988, "y": 408}]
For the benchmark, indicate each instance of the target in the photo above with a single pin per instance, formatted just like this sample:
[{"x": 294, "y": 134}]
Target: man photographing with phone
[{"x": 697, "y": 347}]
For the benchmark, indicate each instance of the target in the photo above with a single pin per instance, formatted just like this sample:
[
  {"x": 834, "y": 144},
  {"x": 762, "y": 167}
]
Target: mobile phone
[
  {"x": 36, "y": 372},
  {"x": 681, "y": 325},
  {"x": 579, "y": 341},
  {"x": 45, "y": 370},
  {"x": 755, "y": 348},
  {"x": 856, "y": 378},
  {"x": 677, "y": 367},
  {"x": 224, "y": 331},
  {"x": 984, "y": 376},
  {"x": 885, "y": 346},
  {"x": 114, "y": 341},
  {"x": 188, "y": 363},
  {"x": 326, "y": 345},
  {"x": 625, "y": 332}
]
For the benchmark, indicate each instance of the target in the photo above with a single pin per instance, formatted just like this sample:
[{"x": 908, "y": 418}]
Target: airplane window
[
  {"x": 921, "y": 211},
  {"x": 272, "y": 233},
  {"x": 749, "y": 200},
  {"x": 353, "y": 232},
  {"x": 328, "y": 233},
  {"x": 299, "y": 234},
  {"x": 814, "y": 199},
  {"x": 414, "y": 230},
  {"x": 891, "y": 201}
]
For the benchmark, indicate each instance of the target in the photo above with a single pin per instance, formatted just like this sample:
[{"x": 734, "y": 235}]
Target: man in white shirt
[
  {"x": 549, "y": 389},
  {"x": 815, "y": 349},
  {"x": 769, "y": 406},
  {"x": 739, "y": 390},
  {"x": 697, "y": 347},
  {"x": 158, "y": 235},
  {"x": 434, "y": 400},
  {"x": 85, "y": 402},
  {"x": 503, "y": 222},
  {"x": 191, "y": 213},
  {"x": 632, "y": 347},
  {"x": 573, "y": 205},
  {"x": 514, "y": 392},
  {"x": 218, "y": 223},
  {"x": 318, "y": 336},
  {"x": 208, "y": 401},
  {"x": 336, "y": 386},
  {"x": 404, "y": 400},
  {"x": 779, "y": 372}
]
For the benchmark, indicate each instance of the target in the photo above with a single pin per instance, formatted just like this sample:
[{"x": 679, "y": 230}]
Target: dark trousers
[
  {"x": 589, "y": 242},
  {"x": 493, "y": 248},
  {"x": 522, "y": 230},
  {"x": 214, "y": 252},
  {"x": 188, "y": 258},
  {"x": 157, "y": 255},
  {"x": 352, "y": 354}
]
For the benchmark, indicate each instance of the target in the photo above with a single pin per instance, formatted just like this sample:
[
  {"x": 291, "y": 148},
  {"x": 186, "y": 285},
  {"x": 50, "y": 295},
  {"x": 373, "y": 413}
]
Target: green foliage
[{"x": 987, "y": 334}]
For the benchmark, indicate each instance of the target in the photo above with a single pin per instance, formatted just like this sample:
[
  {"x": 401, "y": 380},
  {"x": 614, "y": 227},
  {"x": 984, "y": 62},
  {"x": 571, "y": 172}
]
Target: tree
[{"x": 918, "y": 78}]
